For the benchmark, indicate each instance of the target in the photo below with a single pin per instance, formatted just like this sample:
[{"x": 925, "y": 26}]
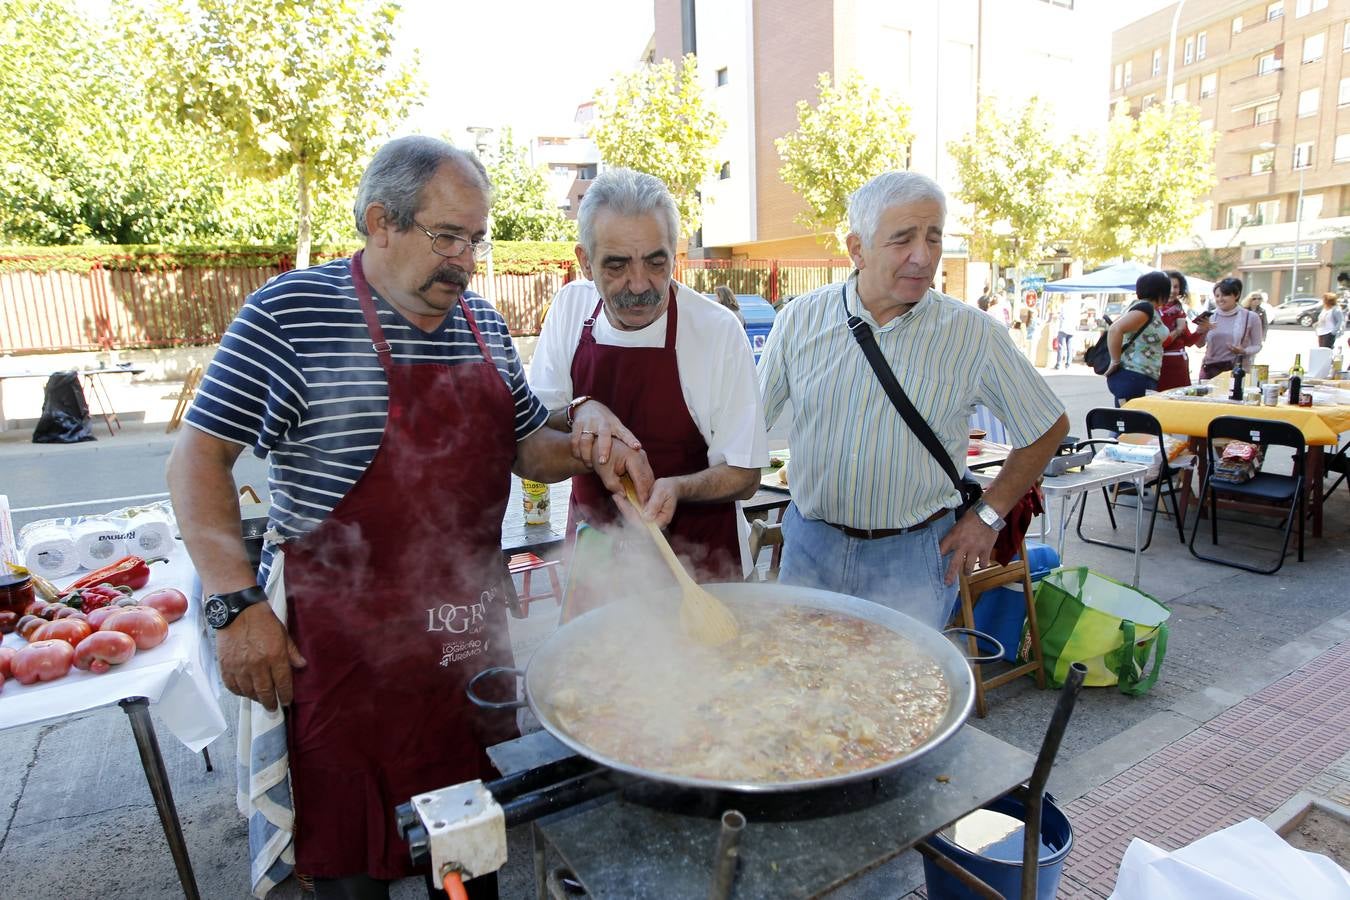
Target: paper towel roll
[
  {"x": 99, "y": 542},
  {"x": 151, "y": 534},
  {"x": 50, "y": 552}
]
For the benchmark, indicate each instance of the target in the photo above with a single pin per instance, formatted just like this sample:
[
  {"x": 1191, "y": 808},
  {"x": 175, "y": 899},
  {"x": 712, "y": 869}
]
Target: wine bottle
[
  {"x": 1297, "y": 367},
  {"x": 1238, "y": 375}
]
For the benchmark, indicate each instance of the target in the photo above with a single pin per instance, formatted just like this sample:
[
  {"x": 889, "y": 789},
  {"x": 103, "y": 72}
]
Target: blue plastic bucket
[{"x": 1000, "y": 865}]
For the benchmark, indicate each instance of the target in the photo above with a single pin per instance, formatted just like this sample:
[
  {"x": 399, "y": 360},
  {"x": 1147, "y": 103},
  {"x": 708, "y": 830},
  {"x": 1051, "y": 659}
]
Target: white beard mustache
[{"x": 626, "y": 299}]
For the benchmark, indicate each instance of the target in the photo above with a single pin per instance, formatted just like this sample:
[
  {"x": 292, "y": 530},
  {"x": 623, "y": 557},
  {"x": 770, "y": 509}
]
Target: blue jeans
[
  {"x": 905, "y": 572},
  {"x": 1064, "y": 355},
  {"x": 1125, "y": 384}
]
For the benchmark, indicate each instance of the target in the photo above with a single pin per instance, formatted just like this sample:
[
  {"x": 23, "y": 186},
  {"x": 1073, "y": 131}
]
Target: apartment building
[
  {"x": 1273, "y": 80},
  {"x": 571, "y": 160},
  {"x": 757, "y": 58}
]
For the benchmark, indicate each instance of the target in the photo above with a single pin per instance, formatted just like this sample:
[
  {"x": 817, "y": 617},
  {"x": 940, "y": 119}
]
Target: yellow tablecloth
[{"x": 1321, "y": 425}]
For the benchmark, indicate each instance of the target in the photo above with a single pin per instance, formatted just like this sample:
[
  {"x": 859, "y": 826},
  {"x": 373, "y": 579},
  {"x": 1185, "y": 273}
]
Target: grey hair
[
  {"x": 398, "y": 172},
  {"x": 867, "y": 203},
  {"x": 628, "y": 193}
]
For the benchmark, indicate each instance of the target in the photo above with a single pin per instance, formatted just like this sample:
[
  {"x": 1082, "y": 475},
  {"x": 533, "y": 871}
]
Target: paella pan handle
[
  {"x": 483, "y": 703},
  {"x": 978, "y": 636}
]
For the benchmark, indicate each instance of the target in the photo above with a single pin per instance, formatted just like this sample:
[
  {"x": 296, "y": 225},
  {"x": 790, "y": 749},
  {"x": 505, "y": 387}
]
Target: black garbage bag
[{"x": 65, "y": 414}]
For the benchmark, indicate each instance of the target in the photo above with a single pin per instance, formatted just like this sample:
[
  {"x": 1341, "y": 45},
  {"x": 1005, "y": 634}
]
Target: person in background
[
  {"x": 1000, "y": 309},
  {"x": 728, "y": 299},
  {"x": 1176, "y": 364},
  {"x": 1235, "y": 333},
  {"x": 1254, "y": 302},
  {"x": 1135, "y": 340},
  {"x": 1067, "y": 320},
  {"x": 872, "y": 512},
  {"x": 1331, "y": 321}
]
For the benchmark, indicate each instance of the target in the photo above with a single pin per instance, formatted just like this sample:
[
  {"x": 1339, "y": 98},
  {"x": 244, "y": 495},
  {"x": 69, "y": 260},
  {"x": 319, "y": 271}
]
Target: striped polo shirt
[
  {"x": 297, "y": 379},
  {"x": 854, "y": 461}
]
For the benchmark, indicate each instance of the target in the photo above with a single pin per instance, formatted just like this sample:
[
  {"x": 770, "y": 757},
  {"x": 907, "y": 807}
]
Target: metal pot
[{"x": 579, "y": 637}]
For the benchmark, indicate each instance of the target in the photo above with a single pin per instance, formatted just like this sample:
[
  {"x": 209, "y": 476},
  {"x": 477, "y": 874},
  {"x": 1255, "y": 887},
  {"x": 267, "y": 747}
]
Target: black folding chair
[
  {"x": 1339, "y": 466},
  {"x": 1131, "y": 421},
  {"x": 1284, "y": 492}
]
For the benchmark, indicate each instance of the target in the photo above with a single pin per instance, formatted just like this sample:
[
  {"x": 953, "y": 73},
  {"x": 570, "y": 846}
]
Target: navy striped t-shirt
[{"x": 297, "y": 379}]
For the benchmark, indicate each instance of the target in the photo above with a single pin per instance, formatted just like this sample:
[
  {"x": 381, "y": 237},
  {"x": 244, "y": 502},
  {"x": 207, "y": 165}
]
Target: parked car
[
  {"x": 1296, "y": 310},
  {"x": 758, "y": 315}
]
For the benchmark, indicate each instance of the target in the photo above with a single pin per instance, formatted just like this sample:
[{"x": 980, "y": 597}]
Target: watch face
[{"x": 217, "y": 612}]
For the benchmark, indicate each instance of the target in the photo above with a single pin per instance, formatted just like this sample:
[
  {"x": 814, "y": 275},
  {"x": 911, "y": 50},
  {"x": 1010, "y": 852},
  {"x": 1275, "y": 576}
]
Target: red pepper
[{"x": 130, "y": 571}]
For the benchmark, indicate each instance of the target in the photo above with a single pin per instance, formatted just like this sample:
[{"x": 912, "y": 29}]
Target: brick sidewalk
[{"x": 1243, "y": 763}]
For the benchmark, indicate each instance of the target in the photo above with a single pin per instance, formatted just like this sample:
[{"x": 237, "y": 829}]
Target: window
[
  {"x": 1188, "y": 55},
  {"x": 1119, "y": 76},
  {"x": 1129, "y": 72},
  {"x": 1342, "y": 150},
  {"x": 1149, "y": 100},
  {"x": 1345, "y": 39},
  {"x": 725, "y": 172},
  {"x": 1237, "y": 24},
  {"x": 1207, "y": 124},
  {"x": 1303, "y": 7},
  {"x": 1267, "y": 211},
  {"x": 1263, "y": 162},
  {"x": 1314, "y": 45},
  {"x": 1267, "y": 63},
  {"x": 1157, "y": 62},
  {"x": 1237, "y": 214},
  {"x": 1303, "y": 155},
  {"x": 1275, "y": 10},
  {"x": 722, "y": 76},
  {"x": 1343, "y": 94},
  {"x": 1201, "y": 44},
  {"x": 1179, "y": 93},
  {"x": 1308, "y": 101},
  {"x": 1311, "y": 208},
  {"x": 1208, "y": 84},
  {"x": 1266, "y": 113}
]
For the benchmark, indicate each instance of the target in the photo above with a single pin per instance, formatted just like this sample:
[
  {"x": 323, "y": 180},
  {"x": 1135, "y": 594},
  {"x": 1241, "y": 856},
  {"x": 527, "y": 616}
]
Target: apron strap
[
  {"x": 368, "y": 311},
  {"x": 588, "y": 326},
  {"x": 672, "y": 320}
]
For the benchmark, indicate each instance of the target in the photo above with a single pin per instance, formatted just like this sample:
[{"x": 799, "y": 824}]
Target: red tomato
[
  {"x": 6, "y": 657},
  {"x": 29, "y": 624},
  {"x": 51, "y": 609},
  {"x": 35, "y": 608},
  {"x": 107, "y": 648},
  {"x": 100, "y": 615},
  {"x": 70, "y": 612},
  {"x": 72, "y": 631},
  {"x": 2, "y": 682},
  {"x": 172, "y": 604},
  {"x": 42, "y": 661},
  {"x": 7, "y": 621},
  {"x": 145, "y": 625}
]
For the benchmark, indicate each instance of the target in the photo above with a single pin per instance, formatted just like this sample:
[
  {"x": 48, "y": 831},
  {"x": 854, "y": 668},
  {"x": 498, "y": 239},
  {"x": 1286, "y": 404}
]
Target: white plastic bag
[{"x": 1246, "y": 861}]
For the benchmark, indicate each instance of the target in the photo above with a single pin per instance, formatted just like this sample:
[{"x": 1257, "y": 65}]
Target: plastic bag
[{"x": 1246, "y": 861}]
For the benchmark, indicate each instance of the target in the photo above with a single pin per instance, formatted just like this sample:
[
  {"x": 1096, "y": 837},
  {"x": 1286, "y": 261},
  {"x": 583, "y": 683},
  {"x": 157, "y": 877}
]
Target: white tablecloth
[{"x": 177, "y": 676}]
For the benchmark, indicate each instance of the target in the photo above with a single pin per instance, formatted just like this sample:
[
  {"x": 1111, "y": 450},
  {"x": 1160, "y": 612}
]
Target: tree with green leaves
[
  {"x": 1022, "y": 181},
  {"x": 853, "y": 133},
  {"x": 657, "y": 120},
  {"x": 1156, "y": 171},
  {"x": 522, "y": 208},
  {"x": 287, "y": 89}
]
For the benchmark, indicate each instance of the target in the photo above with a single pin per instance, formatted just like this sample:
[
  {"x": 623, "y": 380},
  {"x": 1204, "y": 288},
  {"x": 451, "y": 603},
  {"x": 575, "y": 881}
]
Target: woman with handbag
[
  {"x": 1136, "y": 360},
  {"x": 1236, "y": 332},
  {"x": 1176, "y": 364}
]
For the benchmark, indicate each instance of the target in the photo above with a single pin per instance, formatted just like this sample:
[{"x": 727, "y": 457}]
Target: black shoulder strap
[{"x": 862, "y": 333}]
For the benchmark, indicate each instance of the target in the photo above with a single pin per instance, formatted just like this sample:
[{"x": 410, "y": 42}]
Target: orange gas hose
[{"x": 454, "y": 886}]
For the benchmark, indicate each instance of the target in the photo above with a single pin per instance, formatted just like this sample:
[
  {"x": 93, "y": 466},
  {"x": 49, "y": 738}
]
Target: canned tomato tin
[
  {"x": 536, "y": 499},
  {"x": 1270, "y": 394}
]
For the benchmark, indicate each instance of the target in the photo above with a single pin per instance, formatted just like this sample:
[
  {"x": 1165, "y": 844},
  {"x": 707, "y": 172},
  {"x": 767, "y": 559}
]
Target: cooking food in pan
[{"x": 803, "y": 693}]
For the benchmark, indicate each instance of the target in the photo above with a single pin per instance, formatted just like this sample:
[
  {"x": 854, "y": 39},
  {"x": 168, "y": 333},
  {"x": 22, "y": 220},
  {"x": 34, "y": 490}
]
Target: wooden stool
[
  {"x": 762, "y": 535},
  {"x": 525, "y": 565},
  {"x": 189, "y": 390},
  {"x": 973, "y": 587}
]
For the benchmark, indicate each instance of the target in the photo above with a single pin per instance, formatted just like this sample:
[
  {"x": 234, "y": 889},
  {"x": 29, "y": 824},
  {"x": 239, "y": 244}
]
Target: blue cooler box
[{"x": 1002, "y": 612}]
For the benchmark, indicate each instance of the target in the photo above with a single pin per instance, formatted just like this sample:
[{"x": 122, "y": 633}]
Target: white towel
[
  {"x": 49, "y": 551},
  {"x": 264, "y": 778},
  {"x": 99, "y": 542}
]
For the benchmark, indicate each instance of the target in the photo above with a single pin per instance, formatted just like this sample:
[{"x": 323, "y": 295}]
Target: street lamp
[
  {"x": 480, "y": 133},
  {"x": 1298, "y": 215}
]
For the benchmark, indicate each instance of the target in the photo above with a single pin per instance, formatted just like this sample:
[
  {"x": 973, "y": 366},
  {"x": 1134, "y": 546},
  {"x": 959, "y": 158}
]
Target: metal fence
[{"x": 155, "y": 301}]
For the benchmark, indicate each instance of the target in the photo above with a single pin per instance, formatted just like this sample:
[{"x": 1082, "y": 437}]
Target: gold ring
[{"x": 591, "y": 433}]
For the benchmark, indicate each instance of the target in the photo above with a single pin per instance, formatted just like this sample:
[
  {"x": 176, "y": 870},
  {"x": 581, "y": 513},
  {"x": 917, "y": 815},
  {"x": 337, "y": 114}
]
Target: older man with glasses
[{"x": 393, "y": 408}]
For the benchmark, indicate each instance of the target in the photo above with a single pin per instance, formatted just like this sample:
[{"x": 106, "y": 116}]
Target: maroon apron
[
  {"x": 394, "y": 601},
  {"x": 641, "y": 385}
]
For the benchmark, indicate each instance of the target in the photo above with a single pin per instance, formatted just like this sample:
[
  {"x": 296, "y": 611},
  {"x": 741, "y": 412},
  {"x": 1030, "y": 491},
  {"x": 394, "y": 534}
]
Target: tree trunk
[{"x": 303, "y": 232}]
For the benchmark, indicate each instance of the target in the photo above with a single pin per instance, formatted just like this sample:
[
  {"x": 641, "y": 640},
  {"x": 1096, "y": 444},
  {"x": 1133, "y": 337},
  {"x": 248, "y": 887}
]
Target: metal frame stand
[
  {"x": 104, "y": 401},
  {"x": 138, "y": 711}
]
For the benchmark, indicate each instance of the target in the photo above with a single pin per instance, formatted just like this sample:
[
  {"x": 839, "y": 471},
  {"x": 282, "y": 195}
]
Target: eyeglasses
[{"x": 451, "y": 245}]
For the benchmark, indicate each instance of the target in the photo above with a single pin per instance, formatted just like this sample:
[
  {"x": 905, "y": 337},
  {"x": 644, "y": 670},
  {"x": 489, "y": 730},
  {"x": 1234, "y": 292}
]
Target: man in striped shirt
[{"x": 872, "y": 511}]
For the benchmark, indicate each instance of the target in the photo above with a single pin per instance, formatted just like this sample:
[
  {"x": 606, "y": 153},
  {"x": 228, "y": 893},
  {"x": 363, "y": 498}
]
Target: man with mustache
[
  {"x": 872, "y": 508},
  {"x": 675, "y": 366},
  {"x": 392, "y": 407}
]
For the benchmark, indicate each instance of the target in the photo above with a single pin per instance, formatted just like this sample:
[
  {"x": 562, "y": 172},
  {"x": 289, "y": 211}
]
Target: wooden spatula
[{"x": 703, "y": 616}]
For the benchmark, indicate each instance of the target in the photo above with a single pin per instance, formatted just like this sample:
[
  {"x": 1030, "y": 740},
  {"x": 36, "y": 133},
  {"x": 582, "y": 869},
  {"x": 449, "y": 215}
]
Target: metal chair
[
  {"x": 1266, "y": 491},
  {"x": 1132, "y": 421},
  {"x": 1339, "y": 465}
]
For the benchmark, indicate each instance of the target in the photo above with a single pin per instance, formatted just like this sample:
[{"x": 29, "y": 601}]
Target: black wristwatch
[{"x": 222, "y": 609}]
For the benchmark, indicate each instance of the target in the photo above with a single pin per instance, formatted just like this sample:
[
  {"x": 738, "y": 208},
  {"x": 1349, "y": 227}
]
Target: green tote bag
[{"x": 1110, "y": 627}]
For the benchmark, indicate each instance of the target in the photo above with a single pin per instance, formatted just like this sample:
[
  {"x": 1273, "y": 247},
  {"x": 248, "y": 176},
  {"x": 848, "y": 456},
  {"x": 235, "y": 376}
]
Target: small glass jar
[{"x": 16, "y": 592}]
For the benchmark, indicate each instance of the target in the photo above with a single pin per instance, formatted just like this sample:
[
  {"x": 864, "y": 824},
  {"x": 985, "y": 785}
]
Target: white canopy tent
[{"x": 1120, "y": 279}]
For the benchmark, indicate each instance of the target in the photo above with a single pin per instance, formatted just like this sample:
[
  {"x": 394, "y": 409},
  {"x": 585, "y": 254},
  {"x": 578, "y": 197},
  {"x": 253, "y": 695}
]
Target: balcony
[
  {"x": 1252, "y": 87},
  {"x": 1256, "y": 37}
]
